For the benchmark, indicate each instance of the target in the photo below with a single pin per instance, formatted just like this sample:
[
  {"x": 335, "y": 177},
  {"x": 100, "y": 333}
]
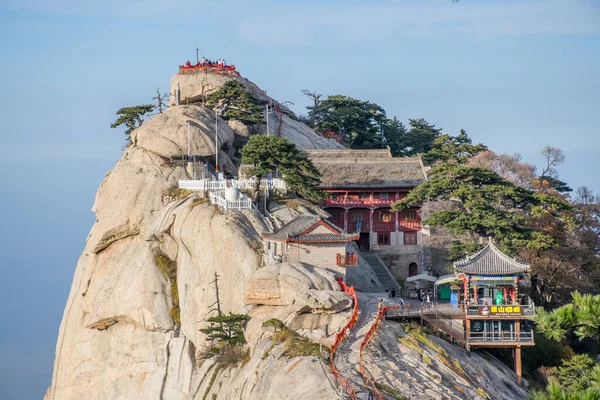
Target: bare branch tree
[
  {"x": 554, "y": 157},
  {"x": 160, "y": 101}
]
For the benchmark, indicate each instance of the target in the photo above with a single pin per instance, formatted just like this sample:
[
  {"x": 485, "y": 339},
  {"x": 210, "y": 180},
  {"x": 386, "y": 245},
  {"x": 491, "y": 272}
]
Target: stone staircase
[{"x": 383, "y": 273}]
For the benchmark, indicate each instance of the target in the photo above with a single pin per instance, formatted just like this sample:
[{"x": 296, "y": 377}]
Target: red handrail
[{"x": 343, "y": 334}]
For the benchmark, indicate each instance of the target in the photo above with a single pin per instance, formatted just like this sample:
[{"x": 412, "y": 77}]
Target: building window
[
  {"x": 384, "y": 216},
  {"x": 383, "y": 239},
  {"x": 383, "y": 196},
  {"x": 357, "y": 216},
  {"x": 410, "y": 215},
  {"x": 410, "y": 238},
  {"x": 335, "y": 214}
]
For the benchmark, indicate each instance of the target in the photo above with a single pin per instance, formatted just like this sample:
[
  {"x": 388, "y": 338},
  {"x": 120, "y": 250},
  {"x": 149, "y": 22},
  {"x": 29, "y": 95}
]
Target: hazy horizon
[{"x": 517, "y": 75}]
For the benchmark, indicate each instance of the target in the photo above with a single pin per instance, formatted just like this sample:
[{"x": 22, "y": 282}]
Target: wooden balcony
[
  {"x": 500, "y": 339},
  {"x": 411, "y": 225},
  {"x": 347, "y": 260},
  {"x": 355, "y": 201}
]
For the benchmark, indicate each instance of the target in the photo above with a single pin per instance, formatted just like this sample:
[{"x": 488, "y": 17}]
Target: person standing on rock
[
  {"x": 370, "y": 396},
  {"x": 380, "y": 304}
]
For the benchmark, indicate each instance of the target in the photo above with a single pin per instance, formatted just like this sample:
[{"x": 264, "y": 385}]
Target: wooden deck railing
[{"x": 347, "y": 260}]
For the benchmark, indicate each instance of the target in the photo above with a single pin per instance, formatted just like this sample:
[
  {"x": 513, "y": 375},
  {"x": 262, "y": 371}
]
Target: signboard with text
[{"x": 500, "y": 311}]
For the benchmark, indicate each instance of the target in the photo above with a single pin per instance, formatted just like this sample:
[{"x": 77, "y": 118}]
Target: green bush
[
  {"x": 296, "y": 345},
  {"x": 169, "y": 269}
]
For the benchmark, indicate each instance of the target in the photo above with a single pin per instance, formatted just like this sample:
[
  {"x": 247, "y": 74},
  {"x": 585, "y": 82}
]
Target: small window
[
  {"x": 410, "y": 215},
  {"x": 383, "y": 196},
  {"x": 410, "y": 238},
  {"x": 356, "y": 217},
  {"x": 383, "y": 239}
]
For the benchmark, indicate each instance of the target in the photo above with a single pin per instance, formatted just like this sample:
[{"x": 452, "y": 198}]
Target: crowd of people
[{"x": 220, "y": 63}]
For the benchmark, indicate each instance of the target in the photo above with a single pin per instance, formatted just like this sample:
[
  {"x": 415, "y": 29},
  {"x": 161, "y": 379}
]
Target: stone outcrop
[
  {"x": 131, "y": 328},
  {"x": 195, "y": 86},
  {"x": 303, "y": 288},
  {"x": 118, "y": 339}
]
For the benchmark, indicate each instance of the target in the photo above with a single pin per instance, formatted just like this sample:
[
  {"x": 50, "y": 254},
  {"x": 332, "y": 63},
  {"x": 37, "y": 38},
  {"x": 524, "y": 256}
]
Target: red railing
[
  {"x": 347, "y": 260},
  {"x": 384, "y": 226},
  {"x": 363, "y": 372},
  {"x": 409, "y": 224},
  {"x": 343, "y": 334},
  {"x": 349, "y": 201},
  {"x": 212, "y": 67}
]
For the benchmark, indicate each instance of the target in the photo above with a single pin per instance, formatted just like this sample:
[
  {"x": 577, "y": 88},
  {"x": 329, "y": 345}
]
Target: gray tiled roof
[
  {"x": 490, "y": 261},
  {"x": 366, "y": 169},
  {"x": 295, "y": 228}
]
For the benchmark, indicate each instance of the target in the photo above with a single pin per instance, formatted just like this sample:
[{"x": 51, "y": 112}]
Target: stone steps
[{"x": 381, "y": 271}]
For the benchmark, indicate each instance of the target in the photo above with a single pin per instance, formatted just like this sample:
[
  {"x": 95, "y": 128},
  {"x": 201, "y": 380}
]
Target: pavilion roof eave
[{"x": 490, "y": 261}]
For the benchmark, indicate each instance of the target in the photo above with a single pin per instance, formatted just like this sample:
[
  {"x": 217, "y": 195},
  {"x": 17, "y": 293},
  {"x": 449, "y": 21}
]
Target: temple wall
[{"x": 321, "y": 255}]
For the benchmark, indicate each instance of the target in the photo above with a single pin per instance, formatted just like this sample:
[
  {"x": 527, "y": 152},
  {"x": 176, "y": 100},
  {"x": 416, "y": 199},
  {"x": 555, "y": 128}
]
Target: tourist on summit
[
  {"x": 203, "y": 60},
  {"x": 380, "y": 304}
]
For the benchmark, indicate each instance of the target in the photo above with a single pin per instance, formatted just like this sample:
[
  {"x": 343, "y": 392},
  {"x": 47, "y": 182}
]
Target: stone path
[{"x": 347, "y": 356}]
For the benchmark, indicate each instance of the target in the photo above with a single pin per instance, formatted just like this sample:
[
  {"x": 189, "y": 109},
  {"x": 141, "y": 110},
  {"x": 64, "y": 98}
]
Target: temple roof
[
  {"x": 490, "y": 261},
  {"x": 299, "y": 230},
  {"x": 356, "y": 169}
]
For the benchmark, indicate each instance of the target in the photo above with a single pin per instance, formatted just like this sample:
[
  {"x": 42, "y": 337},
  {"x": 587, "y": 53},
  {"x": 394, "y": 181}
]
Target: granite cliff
[{"x": 127, "y": 333}]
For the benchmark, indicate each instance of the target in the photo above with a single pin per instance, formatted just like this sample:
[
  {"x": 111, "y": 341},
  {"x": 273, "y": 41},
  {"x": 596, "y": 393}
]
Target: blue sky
[{"x": 517, "y": 75}]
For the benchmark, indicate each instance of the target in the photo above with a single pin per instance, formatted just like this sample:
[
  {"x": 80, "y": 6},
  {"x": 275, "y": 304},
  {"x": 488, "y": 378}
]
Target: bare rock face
[
  {"x": 303, "y": 288},
  {"x": 195, "y": 86},
  {"x": 118, "y": 338}
]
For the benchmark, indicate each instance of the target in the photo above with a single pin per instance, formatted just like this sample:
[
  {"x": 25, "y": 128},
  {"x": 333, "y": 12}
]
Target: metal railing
[
  {"x": 213, "y": 184},
  {"x": 242, "y": 204},
  {"x": 500, "y": 337}
]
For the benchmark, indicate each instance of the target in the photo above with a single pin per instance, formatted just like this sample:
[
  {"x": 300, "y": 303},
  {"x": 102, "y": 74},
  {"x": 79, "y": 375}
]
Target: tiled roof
[
  {"x": 294, "y": 230},
  {"x": 490, "y": 261},
  {"x": 366, "y": 169}
]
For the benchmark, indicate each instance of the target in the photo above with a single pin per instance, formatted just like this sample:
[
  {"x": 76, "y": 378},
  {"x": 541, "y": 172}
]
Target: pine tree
[
  {"x": 269, "y": 153},
  {"x": 226, "y": 330},
  {"x": 131, "y": 117},
  {"x": 232, "y": 101},
  {"x": 486, "y": 205}
]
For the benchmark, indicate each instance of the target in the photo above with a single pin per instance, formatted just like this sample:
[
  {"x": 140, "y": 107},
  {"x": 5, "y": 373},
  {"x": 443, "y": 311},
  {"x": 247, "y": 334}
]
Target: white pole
[
  {"x": 217, "y": 142},
  {"x": 267, "y": 115},
  {"x": 188, "y": 138}
]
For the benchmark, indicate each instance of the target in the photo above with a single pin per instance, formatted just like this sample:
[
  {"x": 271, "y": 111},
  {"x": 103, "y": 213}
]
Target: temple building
[
  {"x": 362, "y": 185},
  {"x": 314, "y": 241},
  {"x": 486, "y": 309}
]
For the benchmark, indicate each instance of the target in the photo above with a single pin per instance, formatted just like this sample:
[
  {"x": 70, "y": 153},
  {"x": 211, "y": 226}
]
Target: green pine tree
[
  {"x": 233, "y": 101},
  {"x": 131, "y": 117},
  {"x": 486, "y": 205},
  {"x": 271, "y": 153},
  {"x": 226, "y": 330}
]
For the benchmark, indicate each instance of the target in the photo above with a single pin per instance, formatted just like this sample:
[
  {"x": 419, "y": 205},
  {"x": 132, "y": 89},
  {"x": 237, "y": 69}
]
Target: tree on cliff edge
[
  {"x": 131, "y": 117},
  {"x": 269, "y": 153},
  {"x": 233, "y": 102}
]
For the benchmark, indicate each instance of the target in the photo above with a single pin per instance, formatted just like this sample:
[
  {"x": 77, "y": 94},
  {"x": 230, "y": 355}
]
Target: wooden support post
[
  {"x": 346, "y": 219},
  {"x": 467, "y": 333},
  {"x": 518, "y": 363}
]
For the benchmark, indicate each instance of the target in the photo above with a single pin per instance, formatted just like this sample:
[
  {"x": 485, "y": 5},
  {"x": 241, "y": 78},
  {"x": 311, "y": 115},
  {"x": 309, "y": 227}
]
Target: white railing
[
  {"x": 242, "y": 204},
  {"x": 212, "y": 184}
]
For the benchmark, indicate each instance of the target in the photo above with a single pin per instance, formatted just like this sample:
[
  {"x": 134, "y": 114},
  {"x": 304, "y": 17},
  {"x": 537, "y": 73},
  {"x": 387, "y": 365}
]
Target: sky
[{"x": 517, "y": 75}]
